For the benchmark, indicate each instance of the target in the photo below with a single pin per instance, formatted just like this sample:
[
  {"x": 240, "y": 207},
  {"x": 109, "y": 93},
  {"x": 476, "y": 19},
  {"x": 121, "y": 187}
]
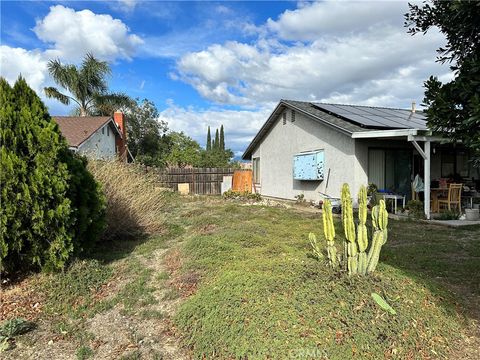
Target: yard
[{"x": 232, "y": 280}]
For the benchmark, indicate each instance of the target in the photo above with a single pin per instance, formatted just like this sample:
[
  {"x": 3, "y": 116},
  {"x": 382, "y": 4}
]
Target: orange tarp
[{"x": 242, "y": 180}]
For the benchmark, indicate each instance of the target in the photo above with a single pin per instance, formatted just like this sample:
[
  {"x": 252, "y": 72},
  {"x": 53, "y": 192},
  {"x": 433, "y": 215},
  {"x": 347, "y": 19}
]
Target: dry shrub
[{"x": 135, "y": 200}]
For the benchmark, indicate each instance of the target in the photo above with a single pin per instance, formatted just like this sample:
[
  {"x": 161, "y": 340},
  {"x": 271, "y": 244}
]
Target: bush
[
  {"x": 88, "y": 202},
  {"x": 415, "y": 209},
  {"x": 49, "y": 204},
  {"x": 449, "y": 215},
  {"x": 241, "y": 195},
  {"x": 36, "y": 212},
  {"x": 135, "y": 200}
]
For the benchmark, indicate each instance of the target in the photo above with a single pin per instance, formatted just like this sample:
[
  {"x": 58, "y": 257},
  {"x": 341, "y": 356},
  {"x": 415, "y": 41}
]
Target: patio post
[{"x": 427, "y": 179}]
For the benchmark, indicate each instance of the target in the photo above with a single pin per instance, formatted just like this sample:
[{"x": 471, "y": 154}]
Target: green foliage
[
  {"x": 383, "y": 304},
  {"x": 316, "y": 251},
  {"x": 70, "y": 292},
  {"x": 453, "y": 108},
  {"x": 87, "y": 85},
  {"x": 9, "y": 329},
  {"x": 222, "y": 139},
  {"x": 416, "y": 209},
  {"x": 216, "y": 144},
  {"x": 88, "y": 203},
  {"x": 16, "y": 326},
  {"x": 449, "y": 215},
  {"x": 209, "y": 140},
  {"x": 84, "y": 352},
  {"x": 146, "y": 133},
  {"x": 51, "y": 205},
  {"x": 183, "y": 151},
  {"x": 241, "y": 195},
  {"x": 36, "y": 213}
]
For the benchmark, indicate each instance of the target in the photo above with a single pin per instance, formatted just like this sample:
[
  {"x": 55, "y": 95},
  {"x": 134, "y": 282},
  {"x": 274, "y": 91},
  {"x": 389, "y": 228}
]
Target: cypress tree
[
  {"x": 209, "y": 140},
  {"x": 222, "y": 139},
  {"x": 38, "y": 218},
  {"x": 217, "y": 140}
]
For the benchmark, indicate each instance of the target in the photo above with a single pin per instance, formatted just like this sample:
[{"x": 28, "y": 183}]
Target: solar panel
[{"x": 377, "y": 117}]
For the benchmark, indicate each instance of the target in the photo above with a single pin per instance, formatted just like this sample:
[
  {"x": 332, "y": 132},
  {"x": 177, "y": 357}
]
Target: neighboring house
[
  {"x": 97, "y": 137},
  {"x": 313, "y": 148}
]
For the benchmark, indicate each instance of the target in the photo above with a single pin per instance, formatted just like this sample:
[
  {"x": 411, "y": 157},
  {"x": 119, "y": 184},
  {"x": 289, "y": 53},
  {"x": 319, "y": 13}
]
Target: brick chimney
[{"x": 121, "y": 144}]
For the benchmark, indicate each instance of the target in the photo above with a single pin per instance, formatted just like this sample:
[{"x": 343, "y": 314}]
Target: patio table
[
  {"x": 435, "y": 192},
  {"x": 395, "y": 197}
]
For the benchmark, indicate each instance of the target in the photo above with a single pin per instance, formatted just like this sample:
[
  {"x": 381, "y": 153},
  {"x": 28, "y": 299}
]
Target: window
[
  {"x": 284, "y": 118},
  {"x": 292, "y": 119},
  {"x": 256, "y": 170},
  {"x": 103, "y": 130}
]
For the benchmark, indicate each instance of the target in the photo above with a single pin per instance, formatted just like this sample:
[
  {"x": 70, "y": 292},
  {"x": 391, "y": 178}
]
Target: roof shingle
[{"x": 77, "y": 129}]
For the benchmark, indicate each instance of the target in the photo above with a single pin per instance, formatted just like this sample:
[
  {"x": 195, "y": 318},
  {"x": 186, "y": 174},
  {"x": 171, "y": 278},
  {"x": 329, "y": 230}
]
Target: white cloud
[
  {"x": 240, "y": 125},
  {"x": 127, "y": 5},
  {"x": 74, "y": 33},
  {"x": 30, "y": 64},
  {"x": 335, "y": 51}
]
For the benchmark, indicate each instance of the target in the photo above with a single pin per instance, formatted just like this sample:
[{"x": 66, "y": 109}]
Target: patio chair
[{"x": 453, "y": 199}]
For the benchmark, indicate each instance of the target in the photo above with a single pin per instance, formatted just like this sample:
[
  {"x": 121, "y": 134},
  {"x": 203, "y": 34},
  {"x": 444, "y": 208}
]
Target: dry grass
[{"x": 135, "y": 200}]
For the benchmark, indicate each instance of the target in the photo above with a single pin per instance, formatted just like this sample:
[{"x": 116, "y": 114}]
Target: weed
[{"x": 84, "y": 352}]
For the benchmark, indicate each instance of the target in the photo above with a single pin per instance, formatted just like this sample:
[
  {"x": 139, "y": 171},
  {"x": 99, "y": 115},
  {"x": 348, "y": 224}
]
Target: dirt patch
[
  {"x": 21, "y": 300},
  {"x": 207, "y": 229}
]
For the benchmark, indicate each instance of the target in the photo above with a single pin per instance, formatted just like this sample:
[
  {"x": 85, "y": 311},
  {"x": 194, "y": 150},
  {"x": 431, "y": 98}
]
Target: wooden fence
[{"x": 202, "y": 181}]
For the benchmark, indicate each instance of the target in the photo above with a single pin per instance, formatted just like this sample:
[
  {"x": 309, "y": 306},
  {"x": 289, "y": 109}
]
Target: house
[
  {"x": 313, "y": 148},
  {"x": 97, "y": 137}
]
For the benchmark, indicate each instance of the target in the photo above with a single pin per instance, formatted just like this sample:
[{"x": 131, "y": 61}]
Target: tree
[
  {"x": 87, "y": 85},
  {"x": 51, "y": 206},
  {"x": 217, "y": 141},
  {"x": 184, "y": 151},
  {"x": 209, "y": 140},
  {"x": 453, "y": 108},
  {"x": 146, "y": 133},
  {"x": 222, "y": 138}
]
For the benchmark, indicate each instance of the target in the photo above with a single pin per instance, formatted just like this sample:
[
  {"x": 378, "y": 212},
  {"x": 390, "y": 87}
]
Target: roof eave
[{"x": 247, "y": 155}]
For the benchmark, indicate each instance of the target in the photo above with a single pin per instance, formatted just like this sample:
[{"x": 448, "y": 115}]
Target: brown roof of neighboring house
[{"x": 77, "y": 129}]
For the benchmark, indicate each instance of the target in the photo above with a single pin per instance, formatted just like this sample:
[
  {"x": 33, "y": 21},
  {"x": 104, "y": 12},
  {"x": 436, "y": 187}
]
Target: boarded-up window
[{"x": 256, "y": 170}]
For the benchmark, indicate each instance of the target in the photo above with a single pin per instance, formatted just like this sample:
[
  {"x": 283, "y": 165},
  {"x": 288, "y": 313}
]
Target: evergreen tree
[
  {"x": 222, "y": 139},
  {"x": 209, "y": 140},
  {"x": 217, "y": 141},
  {"x": 46, "y": 212},
  {"x": 35, "y": 218}
]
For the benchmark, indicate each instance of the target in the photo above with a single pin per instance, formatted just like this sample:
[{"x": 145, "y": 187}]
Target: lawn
[{"x": 228, "y": 280}]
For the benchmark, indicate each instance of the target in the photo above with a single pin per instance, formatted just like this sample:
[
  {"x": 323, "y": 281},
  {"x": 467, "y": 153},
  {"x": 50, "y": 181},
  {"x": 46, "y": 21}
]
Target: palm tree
[{"x": 86, "y": 86}]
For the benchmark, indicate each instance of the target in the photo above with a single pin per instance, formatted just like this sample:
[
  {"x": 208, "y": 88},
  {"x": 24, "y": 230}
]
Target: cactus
[
  {"x": 379, "y": 222},
  {"x": 350, "y": 246},
  {"x": 315, "y": 248},
  {"x": 362, "y": 234},
  {"x": 329, "y": 231}
]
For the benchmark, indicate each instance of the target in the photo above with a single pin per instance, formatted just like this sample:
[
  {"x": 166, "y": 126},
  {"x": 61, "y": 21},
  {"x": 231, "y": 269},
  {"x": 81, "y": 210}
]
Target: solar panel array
[{"x": 375, "y": 117}]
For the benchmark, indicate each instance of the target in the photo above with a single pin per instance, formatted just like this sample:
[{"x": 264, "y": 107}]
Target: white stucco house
[
  {"x": 313, "y": 148},
  {"x": 96, "y": 137}
]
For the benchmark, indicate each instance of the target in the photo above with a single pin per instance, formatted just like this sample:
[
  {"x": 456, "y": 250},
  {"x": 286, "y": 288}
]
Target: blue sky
[{"x": 211, "y": 63}]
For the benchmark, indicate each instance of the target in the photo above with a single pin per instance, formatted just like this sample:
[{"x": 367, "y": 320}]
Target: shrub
[
  {"x": 36, "y": 212},
  {"x": 241, "y": 195},
  {"x": 135, "y": 200},
  {"x": 51, "y": 206},
  {"x": 449, "y": 215},
  {"x": 415, "y": 208},
  {"x": 87, "y": 202}
]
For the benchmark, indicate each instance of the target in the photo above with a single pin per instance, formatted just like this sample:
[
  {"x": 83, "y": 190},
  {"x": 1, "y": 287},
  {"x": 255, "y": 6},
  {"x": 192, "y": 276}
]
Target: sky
[{"x": 211, "y": 63}]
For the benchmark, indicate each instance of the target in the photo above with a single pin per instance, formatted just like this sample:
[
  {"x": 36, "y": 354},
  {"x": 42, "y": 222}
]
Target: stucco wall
[
  {"x": 278, "y": 147},
  {"x": 100, "y": 146}
]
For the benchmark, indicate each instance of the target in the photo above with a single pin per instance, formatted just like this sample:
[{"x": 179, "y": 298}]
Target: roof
[
  {"x": 77, "y": 129},
  {"x": 347, "y": 119}
]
